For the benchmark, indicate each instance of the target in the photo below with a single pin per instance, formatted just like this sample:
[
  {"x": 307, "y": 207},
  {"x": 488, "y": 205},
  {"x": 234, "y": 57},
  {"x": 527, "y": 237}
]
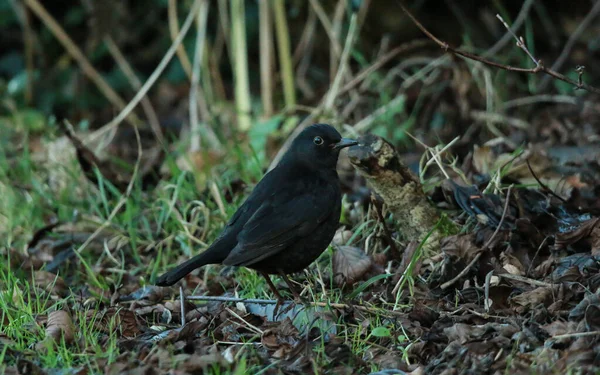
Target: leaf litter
[{"x": 524, "y": 273}]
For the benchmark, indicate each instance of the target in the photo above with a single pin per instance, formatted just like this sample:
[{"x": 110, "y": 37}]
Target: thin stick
[
  {"x": 486, "y": 303},
  {"x": 182, "y": 303},
  {"x": 521, "y": 17},
  {"x": 543, "y": 186},
  {"x": 527, "y": 280},
  {"x": 520, "y": 42},
  {"x": 341, "y": 306},
  {"x": 232, "y": 300},
  {"x": 476, "y": 258},
  {"x": 244, "y": 321},
  {"x": 336, "y": 29},
  {"x": 539, "y": 66},
  {"x": 575, "y": 335}
]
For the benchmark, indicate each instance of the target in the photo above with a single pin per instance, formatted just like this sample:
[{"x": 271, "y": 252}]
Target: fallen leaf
[
  {"x": 349, "y": 264},
  {"x": 529, "y": 300},
  {"x": 59, "y": 326}
]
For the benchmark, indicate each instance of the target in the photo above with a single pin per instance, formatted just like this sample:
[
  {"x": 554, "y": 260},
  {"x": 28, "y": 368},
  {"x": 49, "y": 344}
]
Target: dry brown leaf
[
  {"x": 460, "y": 246},
  {"x": 124, "y": 321},
  {"x": 60, "y": 326},
  {"x": 511, "y": 264},
  {"x": 281, "y": 338},
  {"x": 584, "y": 230},
  {"x": 349, "y": 264},
  {"x": 529, "y": 300}
]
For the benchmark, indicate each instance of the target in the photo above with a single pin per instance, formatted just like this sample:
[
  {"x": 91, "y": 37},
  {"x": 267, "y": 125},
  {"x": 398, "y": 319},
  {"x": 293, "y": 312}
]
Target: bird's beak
[{"x": 344, "y": 142}]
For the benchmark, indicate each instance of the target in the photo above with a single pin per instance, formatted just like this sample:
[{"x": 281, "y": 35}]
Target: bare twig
[
  {"x": 312, "y": 304},
  {"x": 576, "y": 335},
  {"x": 526, "y": 280},
  {"x": 182, "y": 303},
  {"x": 539, "y": 65},
  {"x": 488, "y": 242},
  {"x": 521, "y": 17},
  {"x": 487, "y": 302},
  {"x": 520, "y": 42},
  {"x": 542, "y": 185},
  {"x": 232, "y": 300}
]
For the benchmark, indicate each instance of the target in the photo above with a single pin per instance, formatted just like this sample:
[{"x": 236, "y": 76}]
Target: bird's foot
[{"x": 280, "y": 302}]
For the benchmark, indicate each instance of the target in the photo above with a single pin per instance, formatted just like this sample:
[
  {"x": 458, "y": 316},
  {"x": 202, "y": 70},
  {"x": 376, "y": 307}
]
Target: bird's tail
[{"x": 207, "y": 257}]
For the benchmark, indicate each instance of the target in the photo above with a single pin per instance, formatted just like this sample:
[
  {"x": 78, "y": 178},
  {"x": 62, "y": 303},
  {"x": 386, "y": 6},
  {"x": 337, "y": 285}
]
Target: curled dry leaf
[
  {"x": 124, "y": 321},
  {"x": 60, "y": 325},
  {"x": 350, "y": 264}
]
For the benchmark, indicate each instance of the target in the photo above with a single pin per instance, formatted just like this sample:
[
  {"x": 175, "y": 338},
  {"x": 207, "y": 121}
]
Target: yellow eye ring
[{"x": 318, "y": 140}]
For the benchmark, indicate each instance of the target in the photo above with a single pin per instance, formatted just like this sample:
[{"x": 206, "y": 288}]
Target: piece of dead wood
[{"x": 379, "y": 163}]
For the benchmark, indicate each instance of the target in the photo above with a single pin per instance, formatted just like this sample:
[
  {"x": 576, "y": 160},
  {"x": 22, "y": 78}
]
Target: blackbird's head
[{"x": 318, "y": 146}]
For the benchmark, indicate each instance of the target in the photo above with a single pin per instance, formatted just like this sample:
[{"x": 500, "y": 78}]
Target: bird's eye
[{"x": 318, "y": 140}]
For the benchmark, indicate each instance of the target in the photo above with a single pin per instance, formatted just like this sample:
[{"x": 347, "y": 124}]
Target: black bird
[{"x": 289, "y": 218}]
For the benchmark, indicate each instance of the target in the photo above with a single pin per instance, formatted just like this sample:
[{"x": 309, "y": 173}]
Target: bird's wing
[{"x": 281, "y": 220}]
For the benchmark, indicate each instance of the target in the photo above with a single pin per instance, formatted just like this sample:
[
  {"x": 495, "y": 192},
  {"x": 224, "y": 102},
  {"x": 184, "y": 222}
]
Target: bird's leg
[
  {"x": 290, "y": 285},
  {"x": 272, "y": 286},
  {"x": 280, "y": 299}
]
